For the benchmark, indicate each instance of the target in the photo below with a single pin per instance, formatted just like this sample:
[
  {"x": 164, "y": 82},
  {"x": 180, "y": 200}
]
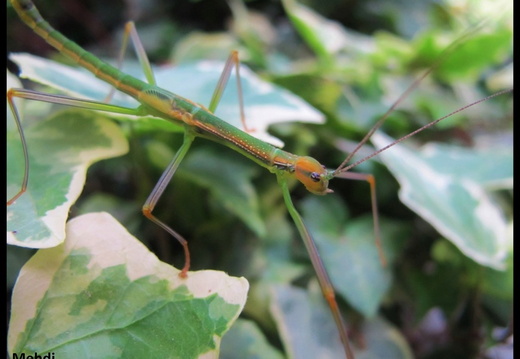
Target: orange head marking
[{"x": 312, "y": 174}]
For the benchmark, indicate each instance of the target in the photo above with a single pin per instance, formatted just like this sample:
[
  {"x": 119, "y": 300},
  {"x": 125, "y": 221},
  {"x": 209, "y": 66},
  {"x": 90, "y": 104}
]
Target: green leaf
[
  {"x": 455, "y": 204},
  {"x": 246, "y": 341},
  {"x": 324, "y": 36},
  {"x": 229, "y": 182},
  {"x": 383, "y": 340},
  {"x": 305, "y": 323},
  {"x": 348, "y": 249},
  {"x": 307, "y": 329},
  {"x": 475, "y": 55},
  {"x": 103, "y": 294},
  {"x": 499, "y": 283}
]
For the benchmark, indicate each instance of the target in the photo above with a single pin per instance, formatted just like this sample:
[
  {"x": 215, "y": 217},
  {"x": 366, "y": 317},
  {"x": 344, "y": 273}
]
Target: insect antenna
[
  {"x": 343, "y": 167},
  {"x": 428, "y": 125}
]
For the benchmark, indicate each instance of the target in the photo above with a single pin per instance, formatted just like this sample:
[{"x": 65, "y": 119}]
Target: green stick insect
[{"x": 199, "y": 121}]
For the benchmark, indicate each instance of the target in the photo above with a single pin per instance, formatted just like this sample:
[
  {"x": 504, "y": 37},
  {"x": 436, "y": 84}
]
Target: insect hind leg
[
  {"x": 232, "y": 61},
  {"x": 131, "y": 32}
]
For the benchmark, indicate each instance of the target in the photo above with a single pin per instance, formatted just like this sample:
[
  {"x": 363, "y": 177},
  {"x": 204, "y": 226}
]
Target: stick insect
[{"x": 198, "y": 122}]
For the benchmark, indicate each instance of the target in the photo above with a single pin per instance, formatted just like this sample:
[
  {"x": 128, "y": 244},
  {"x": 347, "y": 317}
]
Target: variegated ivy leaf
[
  {"x": 455, "y": 204},
  {"x": 61, "y": 149},
  {"x": 102, "y": 294}
]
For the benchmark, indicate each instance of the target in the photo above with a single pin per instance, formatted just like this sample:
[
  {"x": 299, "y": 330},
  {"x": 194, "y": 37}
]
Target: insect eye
[{"x": 315, "y": 176}]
